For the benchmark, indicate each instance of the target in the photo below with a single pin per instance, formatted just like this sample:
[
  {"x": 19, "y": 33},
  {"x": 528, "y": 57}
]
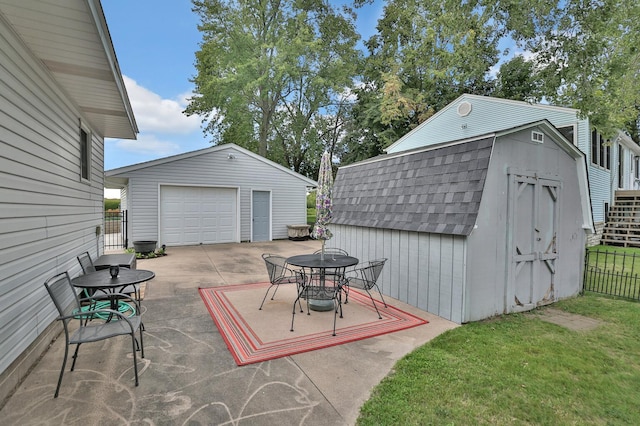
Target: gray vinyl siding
[
  {"x": 214, "y": 169},
  {"x": 48, "y": 215},
  {"x": 423, "y": 269}
]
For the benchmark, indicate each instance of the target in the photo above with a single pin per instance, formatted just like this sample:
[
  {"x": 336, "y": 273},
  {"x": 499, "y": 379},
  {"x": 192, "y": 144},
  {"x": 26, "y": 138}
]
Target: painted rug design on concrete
[{"x": 254, "y": 335}]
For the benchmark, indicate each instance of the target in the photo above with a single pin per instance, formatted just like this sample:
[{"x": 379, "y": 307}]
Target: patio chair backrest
[
  {"x": 371, "y": 272},
  {"x": 332, "y": 250},
  {"x": 63, "y": 295},
  {"x": 276, "y": 266},
  {"x": 86, "y": 263}
]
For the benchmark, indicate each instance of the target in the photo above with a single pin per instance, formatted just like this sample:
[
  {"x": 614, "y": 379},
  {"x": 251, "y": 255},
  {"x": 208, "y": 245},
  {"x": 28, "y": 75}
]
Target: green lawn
[{"x": 517, "y": 369}]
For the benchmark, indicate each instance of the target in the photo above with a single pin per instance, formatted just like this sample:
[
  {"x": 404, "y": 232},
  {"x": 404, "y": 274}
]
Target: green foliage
[
  {"x": 586, "y": 56},
  {"x": 152, "y": 255},
  {"x": 518, "y": 80},
  {"x": 280, "y": 77},
  {"x": 517, "y": 369},
  {"x": 424, "y": 55},
  {"x": 111, "y": 204},
  {"x": 311, "y": 200},
  {"x": 271, "y": 75}
]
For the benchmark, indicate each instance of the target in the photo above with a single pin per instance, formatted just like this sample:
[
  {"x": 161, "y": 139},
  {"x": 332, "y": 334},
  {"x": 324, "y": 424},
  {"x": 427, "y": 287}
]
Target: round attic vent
[{"x": 464, "y": 109}]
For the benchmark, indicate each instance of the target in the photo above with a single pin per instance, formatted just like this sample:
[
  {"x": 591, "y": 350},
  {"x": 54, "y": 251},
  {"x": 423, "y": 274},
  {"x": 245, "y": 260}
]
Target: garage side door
[{"x": 197, "y": 215}]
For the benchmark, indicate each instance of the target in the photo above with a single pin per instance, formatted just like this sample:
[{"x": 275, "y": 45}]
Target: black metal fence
[
  {"x": 612, "y": 273},
  {"x": 115, "y": 229}
]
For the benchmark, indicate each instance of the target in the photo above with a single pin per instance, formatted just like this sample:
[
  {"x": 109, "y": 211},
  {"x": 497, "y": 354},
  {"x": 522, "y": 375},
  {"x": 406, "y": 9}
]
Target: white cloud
[
  {"x": 149, "y": 144},
  {"x": 157, "y": 115}
]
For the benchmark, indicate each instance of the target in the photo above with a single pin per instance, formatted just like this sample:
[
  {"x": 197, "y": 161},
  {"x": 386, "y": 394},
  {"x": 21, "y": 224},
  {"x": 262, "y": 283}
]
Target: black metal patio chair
[
  {"x": 87, "y": 267},
  {"x": 365, "y": 278},
  {"x": 280, "y": 273},
  {"x": 330, "y": 251},
  {"x": 69, "y": 307},
  {"x": 313, "y": 289}
]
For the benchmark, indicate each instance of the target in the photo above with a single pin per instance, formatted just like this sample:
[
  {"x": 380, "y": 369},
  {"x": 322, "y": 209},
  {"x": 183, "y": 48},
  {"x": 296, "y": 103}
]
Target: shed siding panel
[
  {"x": 489, "y": 250},
  {"x": 430, "y": 286},
  {"x": 243, "y": 172},
  {"x": 47, "y": 214}
]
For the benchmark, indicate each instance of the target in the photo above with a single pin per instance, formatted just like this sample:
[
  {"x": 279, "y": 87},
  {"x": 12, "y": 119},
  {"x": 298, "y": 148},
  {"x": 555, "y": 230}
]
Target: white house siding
[
  {"x": 600, "y": 188},
  {"x": 47, "y": 214},
  {"x": 424, "y": 270},
  {"x": 214, "y": 169}
]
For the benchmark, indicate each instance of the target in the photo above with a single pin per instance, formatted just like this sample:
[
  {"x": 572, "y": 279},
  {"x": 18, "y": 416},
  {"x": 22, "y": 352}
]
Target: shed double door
[{"x": 534, "y": 206}]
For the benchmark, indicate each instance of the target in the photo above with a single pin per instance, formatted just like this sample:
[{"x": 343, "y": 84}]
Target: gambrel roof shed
[{"x": 474, "y": 227}]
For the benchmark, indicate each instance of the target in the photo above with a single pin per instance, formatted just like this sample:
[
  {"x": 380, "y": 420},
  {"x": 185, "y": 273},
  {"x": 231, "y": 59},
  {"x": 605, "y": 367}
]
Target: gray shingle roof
[{"x": 435, "y": 190}]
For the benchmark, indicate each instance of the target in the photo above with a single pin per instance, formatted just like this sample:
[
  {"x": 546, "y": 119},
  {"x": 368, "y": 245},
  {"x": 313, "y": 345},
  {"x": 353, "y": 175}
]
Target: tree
[
  {"x": 587, "y": 55},
  {"x": 269, "y": 71},
  {"x": 518, "y": 80},
  {"x": 425, "y": 54}
]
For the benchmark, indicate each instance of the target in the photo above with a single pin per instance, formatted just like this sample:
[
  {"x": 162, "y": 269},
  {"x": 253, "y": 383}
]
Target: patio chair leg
[
  {"x": 274, "y": 292},
  {"x": 293, "y": 311},
  {"x": 335, "y": 314},
  {"x": 381, "y": 296},
  {"x": 75, "y": 356},
  {"x": 265, "y": 297},
  {"x": 135, "y": 361},
  {"x": 374, "y": 304},
  {"x": 64, "y": 364},
  {"x": 141, "y": 342}
]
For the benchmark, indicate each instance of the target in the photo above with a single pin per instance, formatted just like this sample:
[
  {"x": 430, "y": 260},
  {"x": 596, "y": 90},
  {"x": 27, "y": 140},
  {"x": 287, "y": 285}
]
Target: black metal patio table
[
  {"x": 314, "y": 268},
  {"x": 102, "y": 280}
]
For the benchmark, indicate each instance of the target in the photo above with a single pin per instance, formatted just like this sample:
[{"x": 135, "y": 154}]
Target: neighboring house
[
  {"x": 471, "y": 228},
  {"x": 61, "y": 94},
  {"x": 214, "y": 195},
  {"x": 612, "y": 164}
]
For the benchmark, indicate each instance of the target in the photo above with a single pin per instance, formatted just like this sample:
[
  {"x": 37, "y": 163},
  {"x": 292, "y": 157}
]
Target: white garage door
[{"x": 195, "y": 215}]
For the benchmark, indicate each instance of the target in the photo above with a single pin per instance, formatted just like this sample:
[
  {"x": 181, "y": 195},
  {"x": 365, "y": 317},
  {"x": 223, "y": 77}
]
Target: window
[
  {"x": 620, "y": 167},
  {"x": 600, "y": 150},
  {"x": 537, "y": 136},
  {"x": 85, "y": 155}
]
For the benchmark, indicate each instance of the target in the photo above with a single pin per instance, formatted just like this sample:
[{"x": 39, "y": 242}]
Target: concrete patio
[{"x": 189, "y": 376}]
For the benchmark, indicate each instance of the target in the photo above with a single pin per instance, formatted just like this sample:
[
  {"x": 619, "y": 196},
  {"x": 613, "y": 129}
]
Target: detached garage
[{"x": 215, "y": 195}]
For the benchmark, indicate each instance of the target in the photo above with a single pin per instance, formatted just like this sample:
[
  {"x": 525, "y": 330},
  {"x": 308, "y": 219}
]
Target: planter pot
[{"x": 144, "y": 246}]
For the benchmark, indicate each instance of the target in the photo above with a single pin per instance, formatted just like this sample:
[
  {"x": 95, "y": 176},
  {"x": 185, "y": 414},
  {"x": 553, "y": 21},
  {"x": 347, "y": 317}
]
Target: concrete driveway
[{"x": 189, "y": 376}]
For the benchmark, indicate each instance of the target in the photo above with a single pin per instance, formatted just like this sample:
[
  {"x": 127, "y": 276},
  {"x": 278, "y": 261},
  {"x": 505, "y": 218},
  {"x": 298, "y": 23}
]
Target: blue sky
[{"x": 155, "y": 43}]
